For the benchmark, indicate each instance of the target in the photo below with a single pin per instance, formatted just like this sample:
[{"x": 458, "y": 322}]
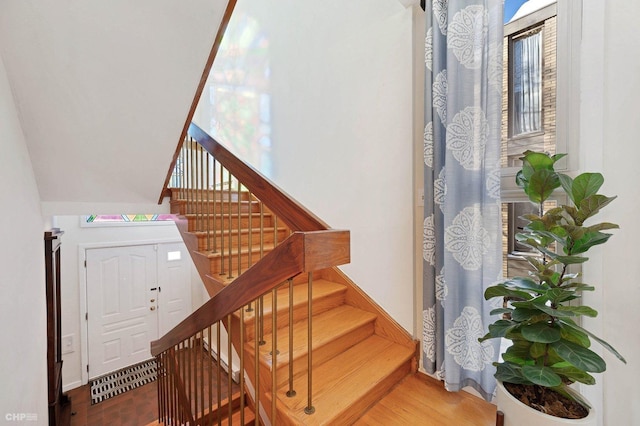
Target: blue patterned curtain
[{"x": 462, "y": 245}]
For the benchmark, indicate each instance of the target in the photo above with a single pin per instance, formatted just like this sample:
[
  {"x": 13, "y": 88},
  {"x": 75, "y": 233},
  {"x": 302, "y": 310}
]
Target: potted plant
[{"x": 550, "y": 348}]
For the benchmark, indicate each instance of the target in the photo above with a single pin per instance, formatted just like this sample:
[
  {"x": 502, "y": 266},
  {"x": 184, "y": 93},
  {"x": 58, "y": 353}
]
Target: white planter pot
[{"x": 518, "y": 414}]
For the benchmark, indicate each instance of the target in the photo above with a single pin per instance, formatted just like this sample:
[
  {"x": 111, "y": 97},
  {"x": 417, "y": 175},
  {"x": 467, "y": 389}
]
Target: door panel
[
  {"x": 174, "y": 279},
  {"x": 121, "y": 322}
]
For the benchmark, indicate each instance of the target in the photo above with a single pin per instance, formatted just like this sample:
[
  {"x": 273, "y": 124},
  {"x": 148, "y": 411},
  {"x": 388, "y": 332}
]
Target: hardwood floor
[
  {"x": 417, "y": 400},
  {"x": 138, "y": 406},
  {"x": 421, "y": 400}
]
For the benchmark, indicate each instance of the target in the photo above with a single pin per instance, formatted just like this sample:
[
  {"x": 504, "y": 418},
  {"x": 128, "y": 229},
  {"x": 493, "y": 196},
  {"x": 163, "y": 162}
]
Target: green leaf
[
  {"x": 543, "y": 376},
  {"x": 510, "y": 373},
  {"x": 537, "y": 350},
  {"x": 502, "y": 291},
  {"x": 574, "y": 374},
  {"x": 559, "y": 295},
  {"x": 588, "y": 240},
  {"x": 585, "y": 185},
  {"x": 554, "y": 312},
  {"x": 592, "y": 205},
  {"x": 580, "y": 357},
  {"x": 541, "y": 332},
  {"x": 566, "y": 260},
  {"x": 573, "y": 335},
  {"x": 567, "y": 185},
  {"x": 524, "y": 314},
  {"x": 541, "y": 185},
  {"x": 524, "y": 283},
  {"x": 607, "y": 346},
  {"x": 601, "y": 227},
  {"x": 579, "y": 310},
  {"x": 579, "y": 286},
  {"x": 518, "y": 353},
  {"x": 501, "y": 327}
]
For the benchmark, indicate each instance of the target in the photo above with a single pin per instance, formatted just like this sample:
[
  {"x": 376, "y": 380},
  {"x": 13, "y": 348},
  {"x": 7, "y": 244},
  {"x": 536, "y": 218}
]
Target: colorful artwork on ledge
[{"x": 129, "y": 218}]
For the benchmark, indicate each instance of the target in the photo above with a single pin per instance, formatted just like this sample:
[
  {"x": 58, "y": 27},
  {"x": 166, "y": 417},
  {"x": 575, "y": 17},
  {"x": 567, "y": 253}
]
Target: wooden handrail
[
  {"x": 296, "y": 216},
  {"x": 300, "y": 252}
]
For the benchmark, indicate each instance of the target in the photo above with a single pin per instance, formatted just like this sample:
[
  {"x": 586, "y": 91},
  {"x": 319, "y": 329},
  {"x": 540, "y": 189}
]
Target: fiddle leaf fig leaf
[
  {"x": 554, "y": 312},
  {"x": 524, "y": 283},
  {"x": 567, "y": 184},
  {"x": 601, "y": 227},
  {"x": 510, "y": 373},
  {"x": 573, "y": 335},
  {"x": 574, "y": 374},
  {"x": 607, "y": 346},
  {"x": 500, "y": 328},
  {"x": 580, "y": 357},
  {"x": 589, "y": 240},
  {"x": 592, "y": 205},
  {"x": 541, "y": 185},
  {"x": 524, "y": 314},
  {"x": 502, "y": 291},
  {"x": 543, "y": 376},
  {"x": 579, "y": 310},
  {"x": 585, "y": 185},
  {"x": 579, "y": 286},
  {"x": 541, "y": 332},
  {"x": 538, "y": 349}
]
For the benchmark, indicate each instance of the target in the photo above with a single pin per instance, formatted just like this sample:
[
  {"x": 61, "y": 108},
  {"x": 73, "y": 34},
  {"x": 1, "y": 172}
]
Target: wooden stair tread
[
  {"x": 328, "y": 327},
  {"x": 346, "y": 385}
]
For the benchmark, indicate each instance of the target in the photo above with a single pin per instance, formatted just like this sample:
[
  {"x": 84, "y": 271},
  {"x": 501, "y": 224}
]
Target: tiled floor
[{"x": 137, "y": 407}]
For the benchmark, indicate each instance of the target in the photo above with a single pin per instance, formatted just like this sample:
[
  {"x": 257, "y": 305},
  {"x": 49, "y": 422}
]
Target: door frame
[{"x": 82, "y": 275}]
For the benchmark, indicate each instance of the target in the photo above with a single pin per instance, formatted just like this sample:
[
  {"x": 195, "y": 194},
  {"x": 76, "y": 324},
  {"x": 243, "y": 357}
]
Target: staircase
[{"x": 314, "y": 349}]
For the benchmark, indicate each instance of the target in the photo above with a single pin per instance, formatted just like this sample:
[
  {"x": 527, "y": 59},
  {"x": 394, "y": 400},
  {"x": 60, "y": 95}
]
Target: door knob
[{"x": 153, "y": 308}]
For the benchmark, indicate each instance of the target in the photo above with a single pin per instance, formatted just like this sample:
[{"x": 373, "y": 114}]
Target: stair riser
[
  {"x": 201, "y": 194},
  {"x": 223, "y": 240},
  {"x": 217, "y": 208},
  {"x": 225, "y": 221}
]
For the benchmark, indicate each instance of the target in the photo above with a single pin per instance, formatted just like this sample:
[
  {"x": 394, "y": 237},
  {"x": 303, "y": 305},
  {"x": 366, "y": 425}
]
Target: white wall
[
  {"x": 609, "y": 143},
  {"x": 23, "y": 354},
  {"x": 74, "y": 242},
  {"x": 341, "y": 115}
]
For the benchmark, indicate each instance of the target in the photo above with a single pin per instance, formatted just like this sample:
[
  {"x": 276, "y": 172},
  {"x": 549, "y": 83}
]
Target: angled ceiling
[{"x": 103, "y": 89}]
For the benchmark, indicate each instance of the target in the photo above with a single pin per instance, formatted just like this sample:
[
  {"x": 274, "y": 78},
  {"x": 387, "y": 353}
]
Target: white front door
[{"x": 121, "y": 304}]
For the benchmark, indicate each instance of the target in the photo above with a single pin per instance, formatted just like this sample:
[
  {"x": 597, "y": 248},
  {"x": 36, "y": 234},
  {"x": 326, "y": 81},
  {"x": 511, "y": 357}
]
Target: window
[
  {"x": 526, "y": 83},
  {"x": 99, "y": 220}
]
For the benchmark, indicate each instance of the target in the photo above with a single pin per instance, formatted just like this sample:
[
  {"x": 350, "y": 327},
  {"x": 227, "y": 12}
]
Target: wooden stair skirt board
[{"x": 359, "y": 352}]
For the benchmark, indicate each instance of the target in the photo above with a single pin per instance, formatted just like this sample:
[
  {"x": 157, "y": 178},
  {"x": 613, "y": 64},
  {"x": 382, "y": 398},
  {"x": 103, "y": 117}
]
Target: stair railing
[{"x": 214, "y": 186}]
